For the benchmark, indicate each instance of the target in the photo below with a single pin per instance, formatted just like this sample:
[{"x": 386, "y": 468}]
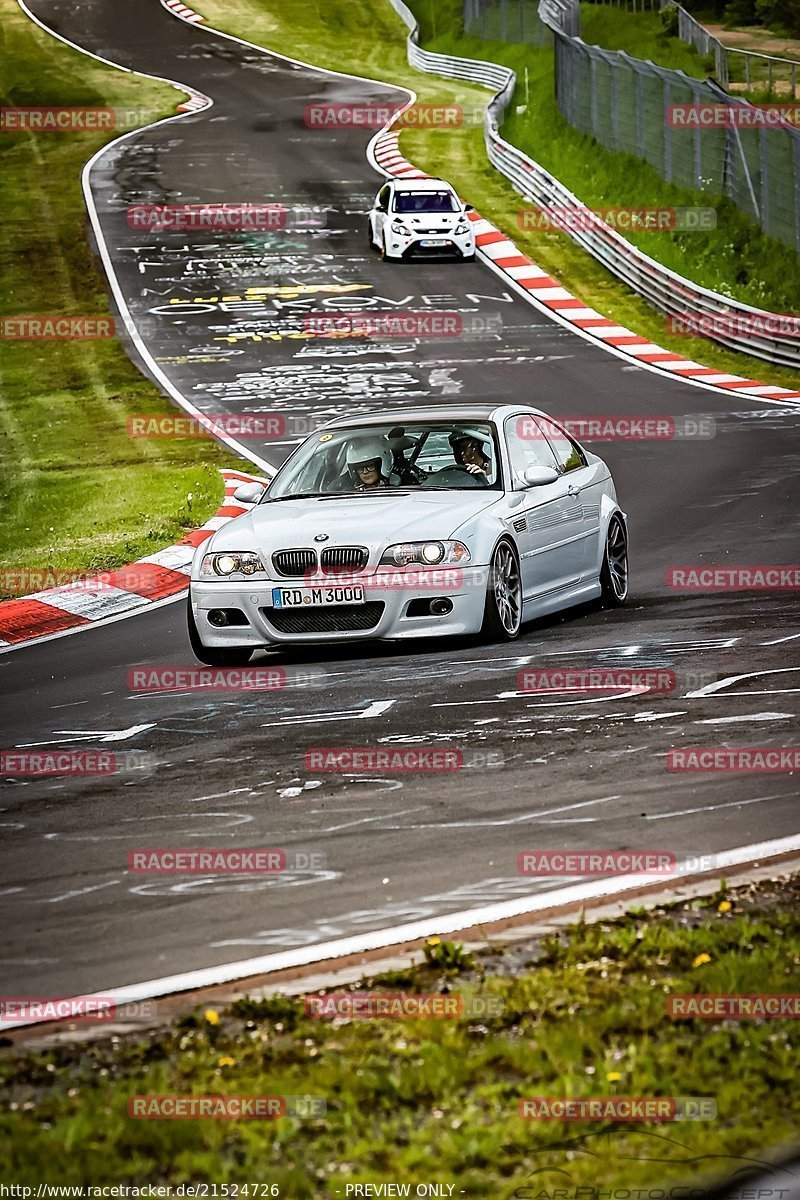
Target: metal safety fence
[
  {"x": 667, "y": 291},
  {"x": 742, "y": 70},
  {"x": 691, "y": 131},
  {"x": 512, "y": 21}
]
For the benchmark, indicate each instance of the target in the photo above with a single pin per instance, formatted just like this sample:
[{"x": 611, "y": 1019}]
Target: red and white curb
[
  {"x": 195, "y": 103},
  {"x": 148, "y": 580},
  {"x": 506, "y": 259},
  {"x": 183, "y": 11}
]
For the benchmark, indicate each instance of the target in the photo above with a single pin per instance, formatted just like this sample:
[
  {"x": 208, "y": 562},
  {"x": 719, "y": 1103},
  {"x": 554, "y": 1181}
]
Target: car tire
[
  {"x": 387, "y": 258},
  {"x": 614, "y": 571},
  {"x": 214, "y": 656},
  {"x": 469, "y": 257},
  {"x": 370, "y": 238},
  {"x": 502, "y": 614}
]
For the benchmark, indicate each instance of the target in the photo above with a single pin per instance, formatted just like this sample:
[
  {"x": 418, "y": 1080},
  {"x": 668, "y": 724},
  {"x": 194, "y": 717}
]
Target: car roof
[
  {"x": 439, "y": 412},
  {"x": 421, "y": 185}
]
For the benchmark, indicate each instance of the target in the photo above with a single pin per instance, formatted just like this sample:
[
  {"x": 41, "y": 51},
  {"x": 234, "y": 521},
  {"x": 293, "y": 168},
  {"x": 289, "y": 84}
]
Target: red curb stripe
[
  {"x": 236, "y": 475},
  {"x": 734, "y": 385},
  {"x": 543, "y": 281},
  {"x": 571, "y": 303},
  {"x": 518, "y": 261},
  {"x": 662, "y": 356},
  {"x": 488, "y": 238},
  {"x": 23, "y": 619},
  {"x": 149, "y": 580},
  {"x": 196, "y": 538},
  {"x": 633, "y": 340},
  {"x": 230, "y": 510}
]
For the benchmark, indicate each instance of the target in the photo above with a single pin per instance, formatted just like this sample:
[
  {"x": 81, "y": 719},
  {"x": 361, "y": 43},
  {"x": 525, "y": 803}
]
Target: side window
[
  {"x": 527, "y": 445},
  {"x": 566, "y": 451},
  {"x": 383, "y": 196}
]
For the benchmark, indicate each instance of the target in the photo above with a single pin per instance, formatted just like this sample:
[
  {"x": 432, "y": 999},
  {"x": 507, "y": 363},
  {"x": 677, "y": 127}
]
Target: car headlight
[
  {"x": 462, "y": 227},
  {"x": 244, "y": 562},
  {"x": 427, "y": 554},
  {"x": 399, "y": 227}
]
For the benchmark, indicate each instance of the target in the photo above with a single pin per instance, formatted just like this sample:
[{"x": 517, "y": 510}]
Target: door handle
[{"x": 573, "y": 491}]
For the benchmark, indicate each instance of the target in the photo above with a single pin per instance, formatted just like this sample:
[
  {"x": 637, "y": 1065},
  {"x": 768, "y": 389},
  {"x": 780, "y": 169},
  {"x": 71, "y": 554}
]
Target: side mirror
[
  {"x": 539, "y": 476},
  {"x": 469, "y": 208},
  {"x": 249, "y": 493}
]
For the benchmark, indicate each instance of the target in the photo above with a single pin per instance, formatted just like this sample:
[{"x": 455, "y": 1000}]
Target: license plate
[
  {"x": 434, "y": 242},
  {"x": 320, "y": 597}
]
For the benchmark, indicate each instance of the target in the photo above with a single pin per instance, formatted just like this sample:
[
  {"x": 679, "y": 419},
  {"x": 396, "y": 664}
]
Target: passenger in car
[{"x": 369, "y": 463}]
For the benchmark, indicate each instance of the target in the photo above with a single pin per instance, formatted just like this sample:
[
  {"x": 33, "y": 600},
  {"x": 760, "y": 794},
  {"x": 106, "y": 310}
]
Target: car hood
[
  {"x": 434, "y": 220},
  {"x": 375, "y": 522}
]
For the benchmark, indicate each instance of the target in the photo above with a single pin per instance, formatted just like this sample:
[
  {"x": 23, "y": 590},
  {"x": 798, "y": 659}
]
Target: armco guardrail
[{"x": 667, "y": 291}]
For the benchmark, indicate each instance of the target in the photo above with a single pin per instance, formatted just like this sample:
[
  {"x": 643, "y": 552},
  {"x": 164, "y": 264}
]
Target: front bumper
[
  {"x": 461, "y": 245},
  {"x": 394, "y": 622}
]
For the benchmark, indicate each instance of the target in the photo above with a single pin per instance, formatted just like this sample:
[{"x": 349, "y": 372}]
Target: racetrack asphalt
[{"x": 227, "y": 769}]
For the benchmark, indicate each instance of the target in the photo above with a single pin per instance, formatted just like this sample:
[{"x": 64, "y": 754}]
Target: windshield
[
  {"x": 379, "y": 458},
  {"x": 425, "y": 202}
]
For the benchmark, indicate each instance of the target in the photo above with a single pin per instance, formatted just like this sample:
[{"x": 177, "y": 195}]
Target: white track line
[
  {"x": 598, "y": 889},
  {"x": 130, "y": 324}
]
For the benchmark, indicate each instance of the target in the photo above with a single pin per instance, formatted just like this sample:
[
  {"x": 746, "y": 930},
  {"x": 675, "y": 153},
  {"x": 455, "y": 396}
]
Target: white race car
[
  {"x": 412, "y": 523},
  {"x": 413, "y": 217}
]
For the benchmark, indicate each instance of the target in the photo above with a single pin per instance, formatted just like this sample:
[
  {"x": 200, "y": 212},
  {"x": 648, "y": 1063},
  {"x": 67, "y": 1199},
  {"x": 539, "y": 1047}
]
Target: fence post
[
  {"x": 640, "y": 113},
  {"x": 763, "y": 162},
  {"x": 667, "y": 136}
]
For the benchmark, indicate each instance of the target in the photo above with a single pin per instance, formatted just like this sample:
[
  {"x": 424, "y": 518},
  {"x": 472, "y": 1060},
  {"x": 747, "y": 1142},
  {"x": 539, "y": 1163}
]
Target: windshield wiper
[
  {"x": 295, "y": 496},
  {"x": 390, "y": 491}
]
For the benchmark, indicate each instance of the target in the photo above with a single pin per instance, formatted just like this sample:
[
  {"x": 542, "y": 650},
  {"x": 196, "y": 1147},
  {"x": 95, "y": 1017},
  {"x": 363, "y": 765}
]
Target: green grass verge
[
  {"x": 737, "y": 260},
  {"x": 579, "y": 1014},
  {"x": 644, "y": 36},
  {"x": 77, "y": 493}
]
